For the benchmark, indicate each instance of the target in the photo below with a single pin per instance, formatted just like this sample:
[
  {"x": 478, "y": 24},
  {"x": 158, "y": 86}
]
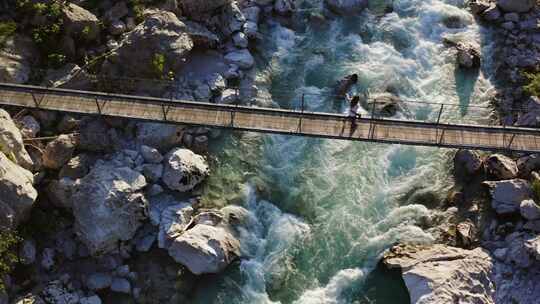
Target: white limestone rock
[
  {"x": 501, "y": 167},
  {"x": 507, "y": 195},
  {"x": 442, "y": 274},
  {"x": 17, "y": 194},
  {"x": 11, "y": 142},
  {"x": 184, "y": 170},
  {"x": 205, "y": 249},
  {"x": 108, "y": 206}
]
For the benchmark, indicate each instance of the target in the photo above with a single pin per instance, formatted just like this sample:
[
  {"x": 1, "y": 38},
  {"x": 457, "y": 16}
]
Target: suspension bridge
[{"x": 269, "y": 120}]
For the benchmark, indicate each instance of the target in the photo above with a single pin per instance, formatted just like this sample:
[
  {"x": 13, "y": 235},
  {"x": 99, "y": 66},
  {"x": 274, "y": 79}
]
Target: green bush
[
  {"x": 536, "y": 190},
  {"x": 158, "y": 64},
  {"x": 7, "y": 29},
  {"x": 8, "y": 256},
  {"x": 48, "y": 34},
  {"x": 533, "y": 87}
]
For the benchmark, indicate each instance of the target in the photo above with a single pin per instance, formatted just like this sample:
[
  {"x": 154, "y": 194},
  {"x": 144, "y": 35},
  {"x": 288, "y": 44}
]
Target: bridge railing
[{"x": 301, "y": 100}]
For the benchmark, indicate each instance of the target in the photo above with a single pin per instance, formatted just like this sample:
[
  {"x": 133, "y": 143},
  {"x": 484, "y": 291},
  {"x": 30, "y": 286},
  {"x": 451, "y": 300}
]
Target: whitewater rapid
[{"x": 330, "y": 208}]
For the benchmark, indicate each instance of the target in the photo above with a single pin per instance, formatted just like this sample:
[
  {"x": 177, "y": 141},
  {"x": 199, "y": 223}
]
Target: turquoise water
[{"x": 324, "y": 211}]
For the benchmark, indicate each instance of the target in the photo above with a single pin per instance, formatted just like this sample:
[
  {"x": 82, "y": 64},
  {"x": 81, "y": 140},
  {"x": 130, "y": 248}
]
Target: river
[{"x": 324, "y": 211}]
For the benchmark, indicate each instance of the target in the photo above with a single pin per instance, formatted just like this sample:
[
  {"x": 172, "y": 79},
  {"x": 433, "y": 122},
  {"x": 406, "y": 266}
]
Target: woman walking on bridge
[{"x": 353, "y": 110}]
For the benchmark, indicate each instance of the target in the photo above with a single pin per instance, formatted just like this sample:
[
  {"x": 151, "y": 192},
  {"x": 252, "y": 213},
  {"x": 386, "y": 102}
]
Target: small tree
[
  {"x": 8, "y": 257},
  {"x": 533, "y": 87}
]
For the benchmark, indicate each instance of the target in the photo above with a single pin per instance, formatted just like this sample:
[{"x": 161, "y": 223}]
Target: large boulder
[
  {"x": 516, "y": 6},
  {"x": 17, "y": 195},
  {"x": 466, "y": 164},
  {"x": 173, "y": 222},
  {"x": 11, "y": 142},
  {"x": 346, "y": 7},
  {"x": 184, "y": 170},
  {"x": 79, "y": 22},
  {"x": 528, "y": 164},
  {"x": 16, "y": 59},
  {"x": 205, "y": 248},
  {"x": 158, "y": 45},
  {"x": 442, "y": 274},
  {"x": 468, "y": 56},
  {"x": 501, "y": 167},
  {"x": 158, "y": 135},
  {"x": 508, "y": 195},
  {"x": 197, "y": 8},
  {"x": 529, "y": 210},
  {"x": 96, "y": 136},
  {"x": 59, "y": 151},
  {"x": 242, "y": 58},
  {"x": 108, "y": 206}
]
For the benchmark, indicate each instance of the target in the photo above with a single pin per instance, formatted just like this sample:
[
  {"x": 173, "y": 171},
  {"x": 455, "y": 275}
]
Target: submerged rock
[
  {"x": 184, "y": 170},
  {"x": 442, "y": 274}
]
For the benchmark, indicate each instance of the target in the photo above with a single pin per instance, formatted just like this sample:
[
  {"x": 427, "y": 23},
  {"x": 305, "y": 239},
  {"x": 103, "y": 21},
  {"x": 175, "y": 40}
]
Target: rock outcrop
[
  {"x": 11, "y": 142},
  {"x": 508, "y": 195},
  {"x": 158, "y": 45},
  {"x": 16, "y": 59},
  {"x": 17, "y": 195},
  {"x": 442, "y": 274},
  {"x": 59, "y": 151},
  {"x": 79, "y": 22},
  {"x": 160, "y": 136},
  {"x": 108, "y": 206},
  {"x": 184, "y": 170},
  {"x": 466, "y": 164},
  {"x": 501, "y": 167},
  {"x": 208, "y": 247}
]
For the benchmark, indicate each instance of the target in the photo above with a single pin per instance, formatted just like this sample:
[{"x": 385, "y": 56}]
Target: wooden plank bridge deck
[{"x": 324, "y": 125}]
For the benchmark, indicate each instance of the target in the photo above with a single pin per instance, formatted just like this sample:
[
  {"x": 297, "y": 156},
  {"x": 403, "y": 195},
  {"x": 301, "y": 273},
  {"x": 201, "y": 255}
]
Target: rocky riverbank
[
  {"x": 488, "y": 252},
  {"x": 107, "y": 210}
]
